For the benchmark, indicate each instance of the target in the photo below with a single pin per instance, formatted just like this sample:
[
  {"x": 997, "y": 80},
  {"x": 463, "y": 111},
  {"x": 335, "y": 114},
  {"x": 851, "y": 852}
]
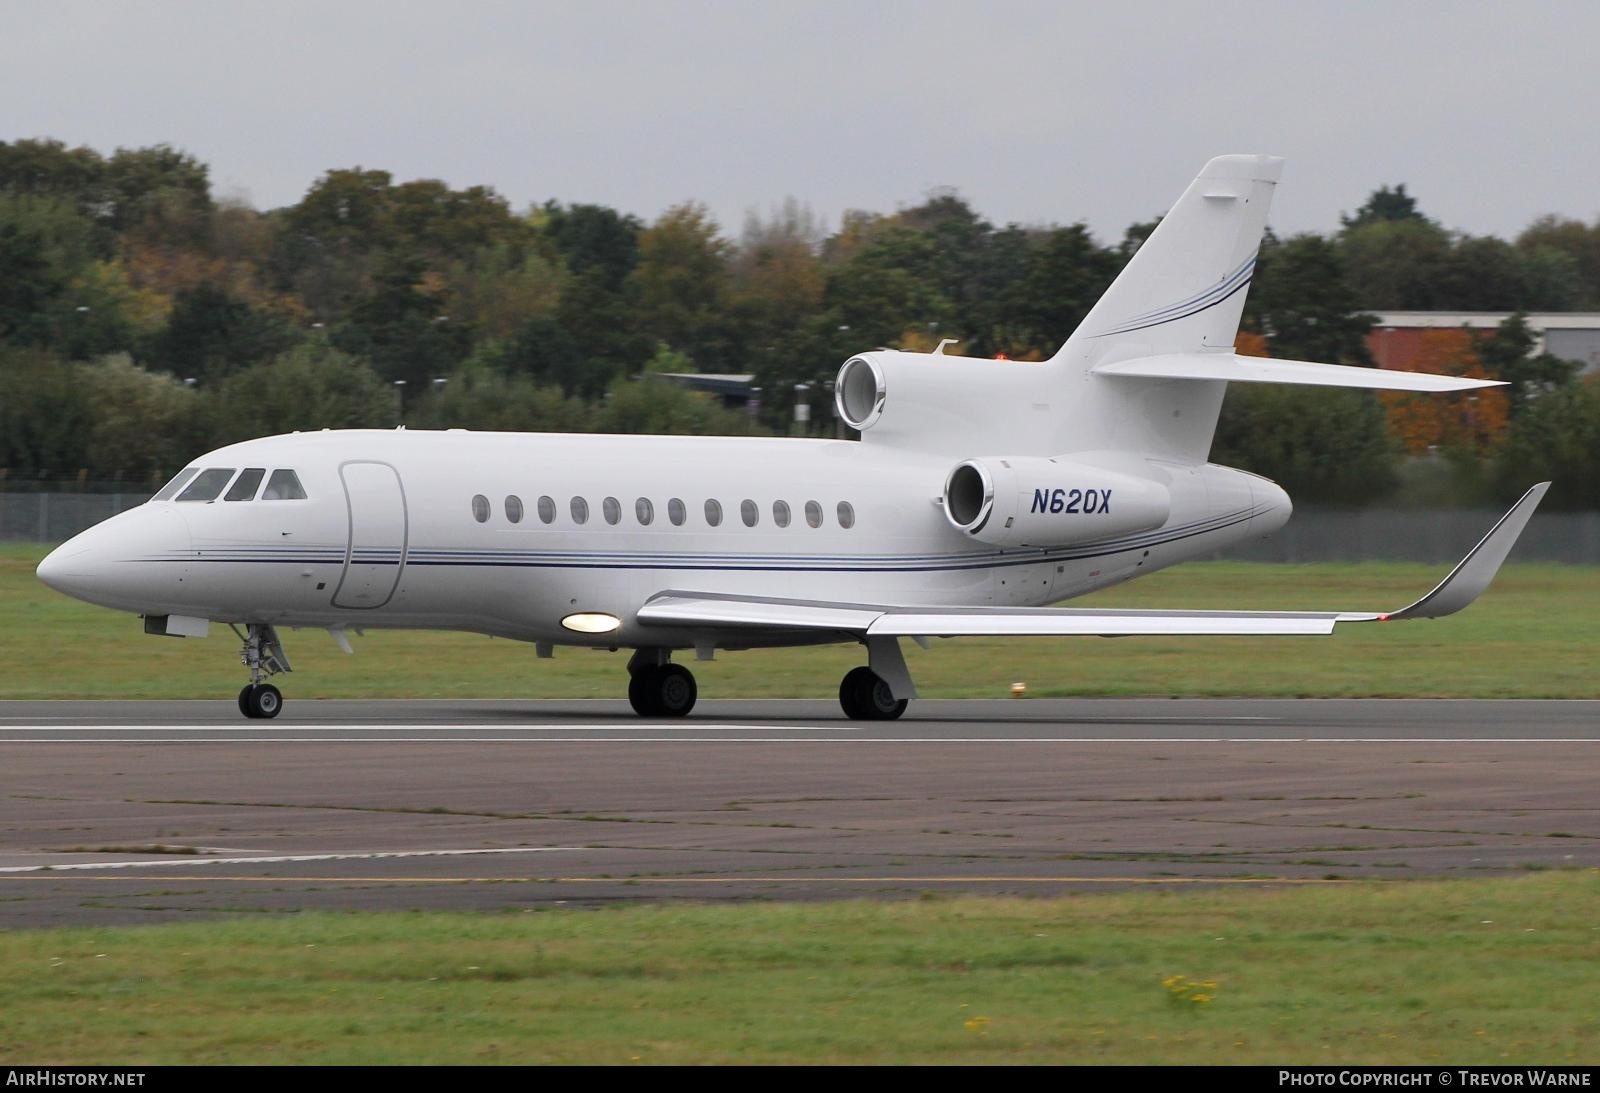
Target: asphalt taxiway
[{"x": 147, "y": 811}]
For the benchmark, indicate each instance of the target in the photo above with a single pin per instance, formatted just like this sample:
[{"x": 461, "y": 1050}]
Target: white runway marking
[
  {"x": 168, "y": 862},
  {"x": 313, "y": 736}
]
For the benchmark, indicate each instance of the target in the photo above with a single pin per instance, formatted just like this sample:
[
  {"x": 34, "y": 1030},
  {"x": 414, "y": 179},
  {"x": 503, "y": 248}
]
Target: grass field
[
  {"x": 1533, "y": 635},
  {"x": 1498, "y": 971}
]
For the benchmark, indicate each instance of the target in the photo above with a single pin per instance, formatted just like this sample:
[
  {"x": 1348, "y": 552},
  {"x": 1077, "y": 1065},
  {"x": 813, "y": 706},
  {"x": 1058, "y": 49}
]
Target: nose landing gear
[{"x": 263, "y": 655}]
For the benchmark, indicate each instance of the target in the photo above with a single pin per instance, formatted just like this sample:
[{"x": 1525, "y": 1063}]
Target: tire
[
  {"x": 265, "y": 701},
  {"x": 864, "y": 696},
  {"x": 244, "y": 700},
  {"x": 674, "y": 690},
  {"x": 641, "y": 695}
]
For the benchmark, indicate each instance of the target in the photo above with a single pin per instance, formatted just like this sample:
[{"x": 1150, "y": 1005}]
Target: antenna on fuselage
[{"x": 938, "y": 350}]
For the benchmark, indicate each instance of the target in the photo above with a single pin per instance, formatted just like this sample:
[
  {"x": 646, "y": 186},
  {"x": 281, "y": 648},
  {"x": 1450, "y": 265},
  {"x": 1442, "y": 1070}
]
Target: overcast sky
[{"x": 1035, "y": 111}]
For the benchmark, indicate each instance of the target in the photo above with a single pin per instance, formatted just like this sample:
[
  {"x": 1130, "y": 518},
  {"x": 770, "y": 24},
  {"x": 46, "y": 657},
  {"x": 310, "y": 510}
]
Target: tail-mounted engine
[{"x": 1038, "y": 502}]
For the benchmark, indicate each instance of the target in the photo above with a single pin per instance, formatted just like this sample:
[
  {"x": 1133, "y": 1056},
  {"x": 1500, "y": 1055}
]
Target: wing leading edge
[{"x": 706, "y": 610}]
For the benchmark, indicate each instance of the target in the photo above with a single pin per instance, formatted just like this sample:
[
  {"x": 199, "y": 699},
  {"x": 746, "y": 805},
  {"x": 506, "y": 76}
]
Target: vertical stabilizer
[{"x": 1183, "y": 292}]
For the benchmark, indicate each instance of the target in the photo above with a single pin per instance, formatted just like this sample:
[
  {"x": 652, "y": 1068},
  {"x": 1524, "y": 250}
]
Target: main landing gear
[
  {"x": 263, "y": 655},
  {"x": 658, "y": 688},
  {"x": 865, "y": 696}
]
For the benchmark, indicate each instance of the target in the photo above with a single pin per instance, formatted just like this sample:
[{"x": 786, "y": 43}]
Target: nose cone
[
  {"x": 125, "y": 562},
  {"x": 56, "y": 569}
]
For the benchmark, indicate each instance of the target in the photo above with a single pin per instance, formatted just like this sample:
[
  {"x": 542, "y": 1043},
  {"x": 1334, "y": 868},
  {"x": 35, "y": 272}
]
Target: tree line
[{"x": 143, "y": 319}]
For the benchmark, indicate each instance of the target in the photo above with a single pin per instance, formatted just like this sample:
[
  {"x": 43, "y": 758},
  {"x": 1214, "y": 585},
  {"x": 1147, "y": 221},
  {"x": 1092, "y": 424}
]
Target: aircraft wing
[
  {"x": 732, "y": 612},
  {"x": 1237, "y": 369}
]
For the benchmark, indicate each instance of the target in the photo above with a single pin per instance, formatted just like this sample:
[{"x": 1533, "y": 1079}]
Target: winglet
[{"x": 1474, "y": 572}]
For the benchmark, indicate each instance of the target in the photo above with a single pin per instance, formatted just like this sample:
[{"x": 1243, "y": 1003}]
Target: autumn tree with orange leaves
[{"x": 1466, "y": 420}]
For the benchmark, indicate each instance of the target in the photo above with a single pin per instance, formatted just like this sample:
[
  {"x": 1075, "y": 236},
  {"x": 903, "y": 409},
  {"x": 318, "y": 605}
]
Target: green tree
[
  {"x": 680, "y": 287},
  {"x": 598, "y": 244},
  {"x": 1508, "y": 354},
  {"x": 479, "y": 397},
  {"x": 652, "y": 404},
  {"x": 403, "y": 328},
  {"x": 544, "y": 352},
  {"x": 1318, "y": 444},
  {"x": 44, "y": 244},
  {"x": 1396, "y": 264},
  {"x": 313, "y": 386},
  {"x": 1577, "y": 243},
  {"x": 44, "y": 415},
  {"x": 48, "y": 168},
  {"x": 1066, "y": 272},
  {"x": 1556, "y": 439},
  {"x": 160, "y": 194},
  {"x": 142, "y": 426},
  {"x": 1301, "y": 301},
  {"x": 210, "y": 334},
  {"x": 1384, "y": 205}
]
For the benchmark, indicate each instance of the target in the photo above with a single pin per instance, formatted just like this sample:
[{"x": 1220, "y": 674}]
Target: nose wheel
[
  {"x": 260, "y": 700},
  {"x": 263, "y": 655}
]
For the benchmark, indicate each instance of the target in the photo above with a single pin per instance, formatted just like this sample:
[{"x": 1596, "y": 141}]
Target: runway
[{"x": 156, "y": 811}]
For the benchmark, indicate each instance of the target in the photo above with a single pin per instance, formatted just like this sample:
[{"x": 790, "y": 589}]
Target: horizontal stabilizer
[
  {"x": 724, "y": 612},
  {"x": 1237, "y": 369}
]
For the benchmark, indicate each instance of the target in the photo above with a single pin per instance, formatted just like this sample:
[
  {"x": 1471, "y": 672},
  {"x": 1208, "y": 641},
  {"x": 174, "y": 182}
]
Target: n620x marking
[{"x": 1092, "y": 502}]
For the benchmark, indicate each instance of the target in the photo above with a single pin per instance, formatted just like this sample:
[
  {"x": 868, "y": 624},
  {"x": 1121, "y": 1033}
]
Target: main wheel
[
  {"x": 641, "y": 693},
  {"x": 675, "y": 690},
  {"x": 667, "y": 690},
  {"x": 244, "y": 700},
  {"x": 864, "y": 696},
  {"x": 262, "y": 700}
]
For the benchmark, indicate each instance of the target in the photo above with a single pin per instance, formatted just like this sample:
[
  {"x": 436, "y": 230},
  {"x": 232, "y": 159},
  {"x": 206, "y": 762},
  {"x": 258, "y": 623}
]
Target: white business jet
[{"x": 979, "y": 491}]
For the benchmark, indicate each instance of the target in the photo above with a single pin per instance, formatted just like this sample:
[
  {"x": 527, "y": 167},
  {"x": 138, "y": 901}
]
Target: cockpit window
[
  {"x": 178, "y": 482},
  {"x": 207, "y": 484},
  {"x": 244, "y": 487},
  {"x": 282, "y": 486}
]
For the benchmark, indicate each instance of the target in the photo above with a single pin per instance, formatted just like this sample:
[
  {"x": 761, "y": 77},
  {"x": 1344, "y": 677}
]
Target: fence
[
  {"x": 1312, "y": 535},
  {"x": 55, "y": 517}
]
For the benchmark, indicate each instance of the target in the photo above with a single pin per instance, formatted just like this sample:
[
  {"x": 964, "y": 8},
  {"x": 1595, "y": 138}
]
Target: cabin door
[{"x": 375, "y": 555}]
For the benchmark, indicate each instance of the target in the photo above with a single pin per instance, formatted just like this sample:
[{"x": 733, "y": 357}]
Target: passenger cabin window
[
  {"x": 780, "y": 513},
  {"x": 283, "y": 486},
  {"x": 244, "y": 487},
  {"x": 714, "y": 512},
  {"x": 847, "y": 515},
  {"x": 547, "y": 510},
  {"x": 514, "y": 509},
  {"x": 813, "y": 514},
  {"x": 480, "y": 508},
  {"x": 644, "y": 511},
  {"x": 207, "y": 484},
  {"x": 580, "y": 511},
  {"x": 676, "y": 512},
  {"x": 180, "y": 480},
  {"x": 749, "y": 513},
  {"x": 612, "y": 509}
]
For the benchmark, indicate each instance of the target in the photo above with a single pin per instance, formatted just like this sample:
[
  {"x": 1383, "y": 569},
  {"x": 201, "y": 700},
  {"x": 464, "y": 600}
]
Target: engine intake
[
  {"x": 1037, "y": 502},
  {"x": 859, "y": 392}
]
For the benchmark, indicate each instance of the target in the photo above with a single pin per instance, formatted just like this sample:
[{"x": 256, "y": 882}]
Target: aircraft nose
[
  {"x": 56, "y": 569},
  {"x": 118, "y": 562}
]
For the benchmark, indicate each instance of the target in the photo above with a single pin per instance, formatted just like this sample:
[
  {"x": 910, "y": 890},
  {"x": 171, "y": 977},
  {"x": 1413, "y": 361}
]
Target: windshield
[{"x": 178, "y": 482}]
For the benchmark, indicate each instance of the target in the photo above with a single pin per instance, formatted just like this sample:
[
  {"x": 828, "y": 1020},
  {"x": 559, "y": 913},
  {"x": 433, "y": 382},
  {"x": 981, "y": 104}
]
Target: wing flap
[{"x": 1237, "y": 369}]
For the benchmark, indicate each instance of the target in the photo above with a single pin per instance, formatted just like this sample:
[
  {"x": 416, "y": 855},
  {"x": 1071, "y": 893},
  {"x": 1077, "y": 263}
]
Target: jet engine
[{"x": 1041, "y": 502}]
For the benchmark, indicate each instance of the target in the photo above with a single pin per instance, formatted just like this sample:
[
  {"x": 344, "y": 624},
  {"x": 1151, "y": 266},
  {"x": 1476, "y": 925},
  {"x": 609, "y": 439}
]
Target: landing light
[{"x": 591, "y": 622}]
